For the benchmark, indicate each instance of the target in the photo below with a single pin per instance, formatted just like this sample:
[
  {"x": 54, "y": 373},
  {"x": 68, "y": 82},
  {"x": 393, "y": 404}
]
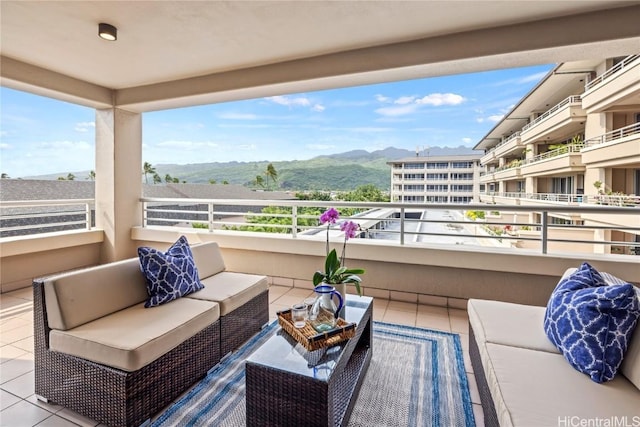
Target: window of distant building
[{"x": 437, "y": 165}]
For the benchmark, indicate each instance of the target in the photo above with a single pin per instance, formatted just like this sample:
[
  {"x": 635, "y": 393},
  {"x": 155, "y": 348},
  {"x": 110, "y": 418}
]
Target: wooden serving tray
[{"x": 312, "y": 339}]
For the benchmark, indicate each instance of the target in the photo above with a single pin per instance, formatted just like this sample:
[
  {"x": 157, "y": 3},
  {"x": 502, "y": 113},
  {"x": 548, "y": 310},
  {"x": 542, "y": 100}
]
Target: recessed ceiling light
[{"x": 107, "y": 32}]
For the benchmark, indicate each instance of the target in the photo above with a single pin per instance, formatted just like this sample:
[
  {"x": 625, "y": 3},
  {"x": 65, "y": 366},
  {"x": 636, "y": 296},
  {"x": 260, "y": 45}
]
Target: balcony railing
[
  {"x": 18, "y": 218},
  {"x": 393, "y": 223},
  {"x": 566, "y": 149},
  {"x": 611, "y": 72},
  {"x": 627, "y": 200},
  {"x": 570, "y": 100},
  {"x": 509, "y": 139},
  {"x": 632, "y": 129}
]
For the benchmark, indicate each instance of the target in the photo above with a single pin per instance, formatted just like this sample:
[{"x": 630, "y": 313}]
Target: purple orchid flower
[{"x": 331, "y": 215}]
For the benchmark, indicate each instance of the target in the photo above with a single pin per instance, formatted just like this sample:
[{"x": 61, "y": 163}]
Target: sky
[{"x": 41, "y": 136}]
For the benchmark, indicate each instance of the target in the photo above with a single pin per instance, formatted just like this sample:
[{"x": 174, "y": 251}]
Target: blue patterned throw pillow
[
  {"x": 171, "y": 274},
  {"x": 591, "y": 322}
]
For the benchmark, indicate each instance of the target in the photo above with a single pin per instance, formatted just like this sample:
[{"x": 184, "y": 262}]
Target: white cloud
[
  {"x": 84, "y": 126},
  {"x": 319, "y": 108},
  {"x": 369, "y": 129},
  {"x": 480, "y": 119},
  {"x": 404, "y": 100},
  {"x": 382, "y": 98},
  {"x": 238, "y": 116},
  {"x": 397, "y": 111},
  {"x": 467, "y": 140},
  {"x": 438, "y": 99},
  {"x": 290, "y": 101},
  {"x": 5, "y": 146},
  {"x": 495, "y": 118}
]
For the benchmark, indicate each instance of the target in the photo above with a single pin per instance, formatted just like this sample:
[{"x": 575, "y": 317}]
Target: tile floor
[{"x": 19, "y": 406}]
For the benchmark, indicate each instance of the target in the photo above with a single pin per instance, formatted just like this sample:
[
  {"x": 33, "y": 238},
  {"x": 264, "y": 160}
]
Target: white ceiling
[{"x": 173, "y": 53}]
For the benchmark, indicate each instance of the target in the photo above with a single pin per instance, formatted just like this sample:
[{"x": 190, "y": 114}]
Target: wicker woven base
[
  {"x": 243, "y": 323},
  {"x": 111, "y": 396},
  {"x": 282, "y": 390},
  {"x": 490, "y": 415}
]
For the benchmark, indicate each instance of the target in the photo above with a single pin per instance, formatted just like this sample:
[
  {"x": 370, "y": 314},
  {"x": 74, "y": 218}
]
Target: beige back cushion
[
  {"x": 630, "y": 367},
  {"x": 208, "y": 259},
  {"x": 78, "y": 297}
]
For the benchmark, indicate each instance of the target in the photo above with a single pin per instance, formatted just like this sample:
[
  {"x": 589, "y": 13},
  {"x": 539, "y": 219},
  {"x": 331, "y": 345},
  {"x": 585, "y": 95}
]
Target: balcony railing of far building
[
  {"x": 611, "y": 71},
  {"x": 623, "y": 132},
  {"x": 567, "y": 101}
]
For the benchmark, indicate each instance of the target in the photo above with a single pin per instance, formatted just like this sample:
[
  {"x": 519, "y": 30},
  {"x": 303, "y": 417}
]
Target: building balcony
[
  {"x": 509, "y": 145},
  {"x": 565, "y": 159},
  {"x": 619, "y": 85},
  {"x": 565, "y": 118},
  {"x": 508, "y": 172},
  {"x": 620, "y": 146},
  {"x": 489, "y": 157}
]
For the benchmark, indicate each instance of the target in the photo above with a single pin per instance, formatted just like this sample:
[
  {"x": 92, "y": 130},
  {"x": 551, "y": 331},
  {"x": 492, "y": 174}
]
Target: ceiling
[{"x": 177, "y": 53}]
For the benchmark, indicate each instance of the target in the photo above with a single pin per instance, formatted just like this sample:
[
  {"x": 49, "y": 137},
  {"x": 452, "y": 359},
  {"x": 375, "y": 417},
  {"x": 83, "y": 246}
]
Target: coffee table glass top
[{"x": 283, "y": 352}]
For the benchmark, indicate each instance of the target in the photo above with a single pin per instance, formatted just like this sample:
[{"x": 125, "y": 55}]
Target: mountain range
[{"x": 343, "y": 171}]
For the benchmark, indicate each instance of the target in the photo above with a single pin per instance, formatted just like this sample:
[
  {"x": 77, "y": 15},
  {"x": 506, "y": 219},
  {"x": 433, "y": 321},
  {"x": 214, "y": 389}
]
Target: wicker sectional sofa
[
  {"x": 524, "y": 380},
  {"x": 99, "y": 352}
]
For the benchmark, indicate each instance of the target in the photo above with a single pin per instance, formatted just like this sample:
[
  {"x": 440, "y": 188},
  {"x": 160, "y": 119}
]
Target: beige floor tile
[
  {"x": 439, "y": 323},
  {"x": 456, "y": 312},
  {"x": 23, "y": 413},
  {"x": 13, "y": 322},
  {"x": 299, "y": 293},
  {"x": 51, "y": 407},
  {"x": 459, "y": 325},
  {"x": 83, "y": 421},
  {"x": 433, "y": 310},
  {"x": 26, "y": 344},
  {"x": 22, "y": 386},
  {"x": 288, "y": 300},
  {"x": 9, "y": 352},
  {"x": 56, "y": 421},
  {"x": 399, "y": 317},
  {"x": 478, "y": 414},
  {"x": 402, "y": 306},
  {"x": 7, "y": 399},
  {"x": 16, "y": 334},
  {"x": 15, "y": 368},
  {"x": 10, "y": 304},
  {"x": 473, "y": 389},
  {"x": 380, "y": 304},
  {"x": 468, "y": 367}
]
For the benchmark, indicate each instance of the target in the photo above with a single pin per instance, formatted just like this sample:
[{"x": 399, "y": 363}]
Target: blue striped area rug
[{"x": 416, "y": 378}]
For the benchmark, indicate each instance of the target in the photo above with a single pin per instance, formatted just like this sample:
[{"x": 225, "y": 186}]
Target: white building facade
[{"x": 435, "y": 179}]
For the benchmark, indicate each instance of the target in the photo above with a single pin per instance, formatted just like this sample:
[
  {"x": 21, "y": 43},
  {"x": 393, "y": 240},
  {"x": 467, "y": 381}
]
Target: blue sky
[{"x": 43, "y": 136}]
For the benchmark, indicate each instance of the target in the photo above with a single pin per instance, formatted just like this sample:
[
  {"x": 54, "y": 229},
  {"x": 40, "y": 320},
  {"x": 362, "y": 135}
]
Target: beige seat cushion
[
  {"x": 538, "y": 388},
  {"x": 134, "y": 337},
  {"x": 80, "y": 296},
  {"x": 509, "y": 324},
  {"x": 208, "y": 259},
  {"x": 231, "y": 290}
]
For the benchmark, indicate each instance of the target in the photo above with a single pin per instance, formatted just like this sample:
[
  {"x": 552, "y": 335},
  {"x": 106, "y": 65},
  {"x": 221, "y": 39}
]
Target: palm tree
[
  {"x": 259, "y": 181},
  {"x": 70, "y": 177},
  {"x": 147, "y": 169},
  {"x": 168, "y": 179},
  {"x": 92, "y": 175},
  {"x": 156, "y": 178},
  {"x": 4, "y": 176},
  {"x": 271, "y": 173}
]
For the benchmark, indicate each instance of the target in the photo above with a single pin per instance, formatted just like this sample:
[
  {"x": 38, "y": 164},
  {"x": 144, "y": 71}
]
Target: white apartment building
[
  {"x": 435, "y": 179},
  {"x": 574, "y": 139}
]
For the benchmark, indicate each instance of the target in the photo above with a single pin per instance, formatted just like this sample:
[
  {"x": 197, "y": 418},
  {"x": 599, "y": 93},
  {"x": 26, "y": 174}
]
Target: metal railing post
[
  {"x": 401, "y": 226},
  {"x": 545, "y": 230},
  {"x": 294, "y": 221},
  {"x": 87, "y": 213},
  {"x": 145, "y": 205},
  {"x": 210, "y": 215}
]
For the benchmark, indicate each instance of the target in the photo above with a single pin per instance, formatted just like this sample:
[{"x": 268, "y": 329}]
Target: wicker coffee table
[{"x": 290, "y": 386}]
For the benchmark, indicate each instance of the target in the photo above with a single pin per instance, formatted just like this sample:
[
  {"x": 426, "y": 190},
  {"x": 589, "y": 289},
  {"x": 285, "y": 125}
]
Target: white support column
[{"x": 118, "y": 180}]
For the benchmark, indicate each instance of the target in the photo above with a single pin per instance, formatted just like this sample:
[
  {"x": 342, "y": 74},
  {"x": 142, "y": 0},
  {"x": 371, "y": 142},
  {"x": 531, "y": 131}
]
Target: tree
[
  {"x": 271, "y": 173},
  {"x": 70, "y": 177},
  {"x": 365, "y": 193},
  {"x": 168, "y": 179},
  {"x": 147, "y": 169},
  {"x": 157, "y": 179},
  {"x": 92, "y": 175},
  {"x": 259, "y": 182},
  {"x": 176, "y": 180},
  {"x": 4, "y": 176},
  {"x": 212, "y": 181}
]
